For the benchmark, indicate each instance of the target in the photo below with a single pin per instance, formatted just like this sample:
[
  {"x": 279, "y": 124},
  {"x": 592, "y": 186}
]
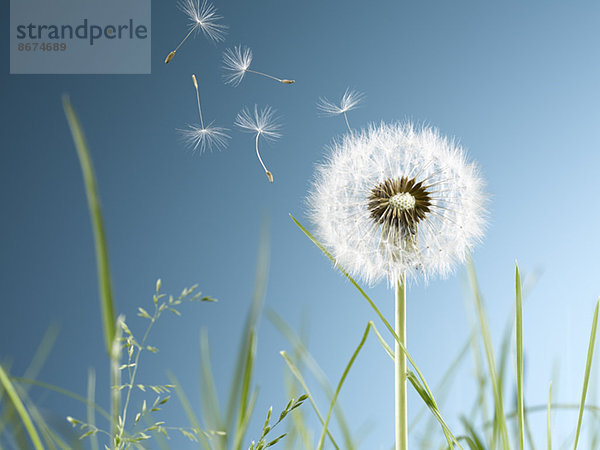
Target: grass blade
[
  {"x": 91, "y": 412},
  {"x": 341, "y": 382},
  {"x": 499, "y": 418},
  {"x": 189, "y": 412},
  {"x": 244, "y": 411},
  {"x": 475, "y": 441},
  {"x": 250, "y": 326},
  {"x": 64, "y": 392},
  {"x": 549, "y": 416},
  {"x": 302, "y": 354},
  {"x": 208, "y": 390},
  {"x": 300, "y": 379},
  {"x": 586, "y": 378},
  {"x": 375, "y": 308},
  {"x": 18, "y": 405},
  {"x": 519, "y": 313},
  {"x": 87, "y": 169}
]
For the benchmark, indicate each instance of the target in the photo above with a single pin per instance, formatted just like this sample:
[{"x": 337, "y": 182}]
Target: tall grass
[{"x": 222, "y": 424}]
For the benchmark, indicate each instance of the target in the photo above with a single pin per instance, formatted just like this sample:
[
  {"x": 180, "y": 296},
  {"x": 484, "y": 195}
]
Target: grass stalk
[
  {"x": 586, "y": 378},
  {"x": 499, "y": 418},
  {"x": 549, "y": 417},
  {"x": 91, "y": 412},
  {"x": 401, "y": 407},
  {"x": 519, "y": 332},
  {"x": 426, "y": 390},
  {"x": 20, "y": 408},
  {"x": 91, "y": 189},
  {"x": 341, "y": 382}
]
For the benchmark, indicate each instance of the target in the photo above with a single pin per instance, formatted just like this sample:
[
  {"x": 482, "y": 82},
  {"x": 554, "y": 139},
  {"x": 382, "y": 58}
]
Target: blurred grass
[
  {"x": 91, "y": 190},
  {"x": 218, "y": 426}
]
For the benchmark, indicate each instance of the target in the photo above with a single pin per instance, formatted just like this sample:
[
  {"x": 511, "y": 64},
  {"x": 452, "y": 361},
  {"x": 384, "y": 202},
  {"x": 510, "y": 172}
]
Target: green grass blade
[
  {"x": 446, "y": 378},
  {"x": 91, "y": 412},
  {"x": 433, "y": 408},
  {"x": 300, "y": 379},
  {"x": 298, "y": 430},
  {"x": 208, "y": 390},
  {"x": 35, "y": 366},
  {"x": 549, "y": 439},
  {"x": 250, "y": 326},
  {"x": 304, "y": 355},
  {"x": 243, "y": 427},
  {"x": 340, "y": 383},
  {"x": 62, "y": 391},
  {"x": 187, "y": 408},
  {"x": 372, "y": 304},
  {"x": 87, "y": 169},
  {"x": 18, "y": 405},
  {"x": 586, "y": 378},
  {"x": 499, "y": 418},
  {"x": 475, "y": 441},
  {"x": 519, "y": 311},
  {"x": 244, "y": 411}
]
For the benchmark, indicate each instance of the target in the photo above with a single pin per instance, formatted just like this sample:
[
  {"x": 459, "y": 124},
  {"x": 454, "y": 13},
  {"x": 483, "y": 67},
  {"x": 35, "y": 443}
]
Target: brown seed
[{"x": 169, "y": 57}]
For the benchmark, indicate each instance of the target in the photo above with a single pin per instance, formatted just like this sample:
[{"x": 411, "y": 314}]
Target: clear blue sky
[{"x": 516, "y": 84}]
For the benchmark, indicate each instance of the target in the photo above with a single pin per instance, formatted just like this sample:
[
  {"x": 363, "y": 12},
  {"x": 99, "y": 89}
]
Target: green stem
[
  {"x": 20, "y": 408},
  {"x": 400, "y": 368}
]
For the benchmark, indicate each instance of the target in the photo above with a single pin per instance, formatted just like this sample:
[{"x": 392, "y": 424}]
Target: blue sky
[{"x": 516, "y": 84}]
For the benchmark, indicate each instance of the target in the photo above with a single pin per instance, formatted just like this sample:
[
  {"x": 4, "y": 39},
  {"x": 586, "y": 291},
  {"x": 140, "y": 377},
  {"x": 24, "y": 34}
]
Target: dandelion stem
[
  {"x": 269, "y": 175},
  {"x": 400, "y": 367},
  {"x": 198, "y": 100},
  {"x": 347, "y": 123},
  {"x": 270, "y": 76}
]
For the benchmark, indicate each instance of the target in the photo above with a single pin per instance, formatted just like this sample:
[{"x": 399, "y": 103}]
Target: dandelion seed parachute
[
  {"x": 204, "y": 136},
  {"x": 202, "y": 17},
  {"x": 350, "y": 100},
  {"x": 397, "y": 199},
  {"x": 236, "y": 62},
  {"x": 263, "y": 123}
]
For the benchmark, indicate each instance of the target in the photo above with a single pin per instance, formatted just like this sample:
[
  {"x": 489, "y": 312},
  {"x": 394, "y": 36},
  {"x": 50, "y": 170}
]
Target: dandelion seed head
[
  {"x": 236, "y": 62},
  {"x": 403, "y": 201},
  {"x": 397, "y": 199},
  {"x": 261, "y": 121},
  {"x": 205, "y": 138},
  {"x": 204, "y": 16},
  {"x": 350, "y": 100}
]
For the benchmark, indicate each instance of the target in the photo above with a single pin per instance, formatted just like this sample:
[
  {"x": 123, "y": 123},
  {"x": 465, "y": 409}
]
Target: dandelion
[
  {"x": 399, "y": 202},
  {"x": 350, "y": 100},
  {"x": 204, "y": 136},
  {"x": 202, "y": 17},
  {"x": 237, "y": 60},
  {"x": 262, "y": 122}
]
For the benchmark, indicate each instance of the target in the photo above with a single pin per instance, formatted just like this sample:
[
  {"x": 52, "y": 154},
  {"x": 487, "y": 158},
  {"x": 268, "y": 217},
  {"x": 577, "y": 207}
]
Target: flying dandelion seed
[
  {"x": 202, "y": 17},
  {"x": 350, "y": 100},
  {"x": 237, "y": 60},
  {"x": 398, "y": 202},
  {"x": 204, "y": 137},
  {"x": 262, "y": 122}
]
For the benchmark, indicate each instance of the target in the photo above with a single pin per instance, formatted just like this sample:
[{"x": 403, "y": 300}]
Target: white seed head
[
  {"x": 397, "y": 199},
  {"x": 205, "y": 138},
  {"x": 350, "y": 100},
  {"x": 236, "y": 62},
  {"x": 204, "y": 17},
  {"x": 263, "y": 122}
]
